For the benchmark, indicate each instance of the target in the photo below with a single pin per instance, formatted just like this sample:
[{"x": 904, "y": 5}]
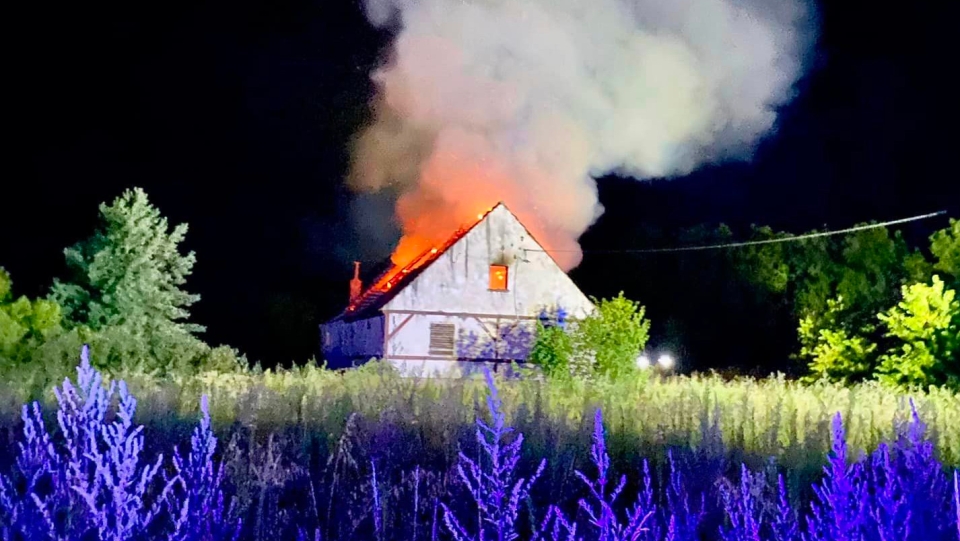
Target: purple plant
[
  {"x": 784, "y": 526},
  {"x": 416, "y": 501},
  {"x": 647, "y": 500},
  {"x": 889, "y": 509},
  {"x": 51, "y": 504},
  {"x": 116, "y": 504},
  {"x": 838, "y": 512},
  {"x": 199, "y": 511},
  {"x": 37, "y": 462},
  {"x": 601, "y": 512},
  {"x": 496, "y": 494},
  {"x": 683, "y": 518},
  {"x": 377, "y": 507},
  {"x": 956, "y": 499},
  {"x": 916, "y": 474},
  {"x": 96, "y": 483},
  {"x": 742, "y": 510},
  {"x": 755, "y": 511},
  {"x": 303, "y": 536},
  {"x": 562, "y": 529}
]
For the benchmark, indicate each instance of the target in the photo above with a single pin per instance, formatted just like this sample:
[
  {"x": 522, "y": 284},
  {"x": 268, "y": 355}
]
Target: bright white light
[
  {"x": 665, "y": 361},
  {"x": 643, "y": 362}
]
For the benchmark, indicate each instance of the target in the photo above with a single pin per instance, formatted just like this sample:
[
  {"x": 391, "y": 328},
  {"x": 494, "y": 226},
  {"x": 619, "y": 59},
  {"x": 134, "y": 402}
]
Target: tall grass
[
  {"x": 771, "y": 417},
  {"x": 368, "y": 455}
]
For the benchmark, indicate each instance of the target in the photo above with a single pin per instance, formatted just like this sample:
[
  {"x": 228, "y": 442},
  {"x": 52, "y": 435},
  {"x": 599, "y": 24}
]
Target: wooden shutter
[{"x": 442, "y": 339}]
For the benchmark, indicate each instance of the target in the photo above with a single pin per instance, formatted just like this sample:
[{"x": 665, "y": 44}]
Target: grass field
[{"x": 299, "y": 447}]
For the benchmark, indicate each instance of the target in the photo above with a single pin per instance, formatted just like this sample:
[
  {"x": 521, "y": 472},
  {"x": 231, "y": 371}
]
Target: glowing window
[{"x": 498, "y": 277}]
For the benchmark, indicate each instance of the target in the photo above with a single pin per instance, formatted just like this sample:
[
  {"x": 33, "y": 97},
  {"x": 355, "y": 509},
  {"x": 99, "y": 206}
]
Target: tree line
[
  {"x": 867, "y": 304},
  {"x": 863, "y": 305},
  {"x": 123, "y": 294}
]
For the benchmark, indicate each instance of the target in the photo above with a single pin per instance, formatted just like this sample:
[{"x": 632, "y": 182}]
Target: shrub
[
  {"x": 945, "y": 246},
  {"x": 926, "y": 324},
  {"x": 613, "y": 336},
  {"x": 836, "y": 352},
  {"x": 552, "y": 351}
]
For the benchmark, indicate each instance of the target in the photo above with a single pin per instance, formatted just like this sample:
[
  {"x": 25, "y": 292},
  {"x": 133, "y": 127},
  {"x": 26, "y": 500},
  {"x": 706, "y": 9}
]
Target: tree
[
  {"x": 24, "y": 324},
  {"x": 834, "y": 351},
  {"x": 126, "y": 284},
  {"x": 945, "y": 246},
  {"x": 926, "y": 325},
  {"x": 613, "y": 336},
  {"x": 34, "y": 346}
]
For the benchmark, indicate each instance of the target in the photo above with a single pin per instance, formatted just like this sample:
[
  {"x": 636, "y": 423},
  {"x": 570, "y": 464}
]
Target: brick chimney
[{"x": 356, "y": 286}]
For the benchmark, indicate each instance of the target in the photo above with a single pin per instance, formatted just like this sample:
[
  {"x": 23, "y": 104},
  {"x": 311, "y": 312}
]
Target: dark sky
[{"x": 234, "y": 115}]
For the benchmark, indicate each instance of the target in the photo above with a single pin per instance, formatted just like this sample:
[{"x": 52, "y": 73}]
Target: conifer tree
[{"x": 126, "y": 284}]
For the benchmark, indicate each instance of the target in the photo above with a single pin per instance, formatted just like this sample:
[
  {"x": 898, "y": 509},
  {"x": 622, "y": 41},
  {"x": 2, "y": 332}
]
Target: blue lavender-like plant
[
  {"x": 918, "y": 476},
  {"x": 889, "y": 506},
  {"x": 956, "y": 499},
  {"x": 199, "y": 511},
  {"x": 647, "y": 500},
  {"x": 38, "y": 463},
  {"x": 784, "y": 526},
  {"x": 377, "y": 507},
  {"x": 561, "y": 530},
  {"x": 742, "y": 510},
  {"x": 600, "y": 510},
  {"x": 303, "y": 536},
  {"x": 116, "y": 502},
  {"x": 683, "y": 519},
  {"x": 838, "y": 512},
  {"x": 494, "y": 490},
  {"x": 52, "y": 505},
  {"x": 96, "y": 484},
  {"x": 757, "y": 512}
]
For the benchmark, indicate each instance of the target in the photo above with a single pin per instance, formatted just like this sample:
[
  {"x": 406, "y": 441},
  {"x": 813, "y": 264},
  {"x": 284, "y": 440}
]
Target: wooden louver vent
[{"x": 442, "y": 339}]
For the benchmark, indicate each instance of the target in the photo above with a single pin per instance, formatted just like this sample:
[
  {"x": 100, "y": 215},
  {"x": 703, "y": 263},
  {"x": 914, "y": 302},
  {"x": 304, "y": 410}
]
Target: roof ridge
[{"x": 397, "y": 277}]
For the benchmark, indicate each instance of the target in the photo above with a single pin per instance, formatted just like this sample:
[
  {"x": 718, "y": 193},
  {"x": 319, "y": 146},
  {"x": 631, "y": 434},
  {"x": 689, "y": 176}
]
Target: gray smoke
[{"x": 527, "y": 101}]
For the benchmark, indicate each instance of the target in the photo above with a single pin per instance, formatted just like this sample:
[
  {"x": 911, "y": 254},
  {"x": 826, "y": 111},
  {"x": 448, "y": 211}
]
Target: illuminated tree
[
  {"x": 613, "y": 336},
  {"x": 926, "y": 325},
  {"x": 126, "y": 284},
  {"x": 945, "y": 246}
]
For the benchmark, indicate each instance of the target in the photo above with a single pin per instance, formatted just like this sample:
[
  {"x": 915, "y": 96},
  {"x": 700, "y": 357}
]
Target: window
[
  {"x": 498, "y": 277},
  {"x": 442, "y": 339}
]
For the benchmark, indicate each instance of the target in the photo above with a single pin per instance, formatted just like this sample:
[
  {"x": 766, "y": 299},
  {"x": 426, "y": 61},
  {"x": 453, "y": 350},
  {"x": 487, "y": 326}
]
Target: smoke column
[{"x": 526, "y": 101}]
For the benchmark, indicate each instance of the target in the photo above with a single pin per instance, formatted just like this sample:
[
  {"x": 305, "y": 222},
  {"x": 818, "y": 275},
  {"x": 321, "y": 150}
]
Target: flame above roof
[{"x": 394, "y": 279}]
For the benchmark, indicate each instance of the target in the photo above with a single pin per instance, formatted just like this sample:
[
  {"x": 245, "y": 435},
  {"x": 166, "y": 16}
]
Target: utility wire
[{"x": 757, "y": 242}]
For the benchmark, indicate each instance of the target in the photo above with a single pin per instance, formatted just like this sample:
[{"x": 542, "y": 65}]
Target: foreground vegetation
[{"x": 367, "y": 455}]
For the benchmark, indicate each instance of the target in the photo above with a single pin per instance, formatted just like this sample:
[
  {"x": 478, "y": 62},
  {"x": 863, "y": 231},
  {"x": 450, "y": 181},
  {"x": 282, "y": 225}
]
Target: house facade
[{"x": 471, "y": 302}]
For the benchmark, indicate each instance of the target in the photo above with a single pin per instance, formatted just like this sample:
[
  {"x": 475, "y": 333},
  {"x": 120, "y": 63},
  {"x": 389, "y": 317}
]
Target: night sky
[{"x": 234, "y": 117}]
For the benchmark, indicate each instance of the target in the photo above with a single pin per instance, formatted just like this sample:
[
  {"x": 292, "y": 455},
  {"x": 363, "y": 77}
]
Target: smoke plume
[{"x": 526, "y": 101}]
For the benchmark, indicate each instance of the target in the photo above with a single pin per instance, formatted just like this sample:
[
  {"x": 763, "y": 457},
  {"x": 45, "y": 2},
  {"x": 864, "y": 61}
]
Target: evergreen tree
[{"x": 126, "y": 284}]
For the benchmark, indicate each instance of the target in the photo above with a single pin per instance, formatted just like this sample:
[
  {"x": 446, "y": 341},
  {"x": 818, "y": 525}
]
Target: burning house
[{"x": 471, "y": 300}]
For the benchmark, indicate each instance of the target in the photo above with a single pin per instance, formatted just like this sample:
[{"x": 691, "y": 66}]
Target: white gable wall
[
  {"x": 458, "y": 280},
  {"x": 455, "y": 289}
]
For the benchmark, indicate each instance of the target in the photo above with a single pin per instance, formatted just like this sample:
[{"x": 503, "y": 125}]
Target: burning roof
[{"x": 385, "y": 286}]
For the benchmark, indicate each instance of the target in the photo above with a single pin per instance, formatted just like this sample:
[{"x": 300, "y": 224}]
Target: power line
[{"x": 757, "y": 242}]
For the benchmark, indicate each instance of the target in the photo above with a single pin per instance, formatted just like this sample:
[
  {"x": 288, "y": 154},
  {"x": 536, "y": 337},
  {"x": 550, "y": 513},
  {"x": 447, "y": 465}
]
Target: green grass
[{"x": 763, "y": 418}]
